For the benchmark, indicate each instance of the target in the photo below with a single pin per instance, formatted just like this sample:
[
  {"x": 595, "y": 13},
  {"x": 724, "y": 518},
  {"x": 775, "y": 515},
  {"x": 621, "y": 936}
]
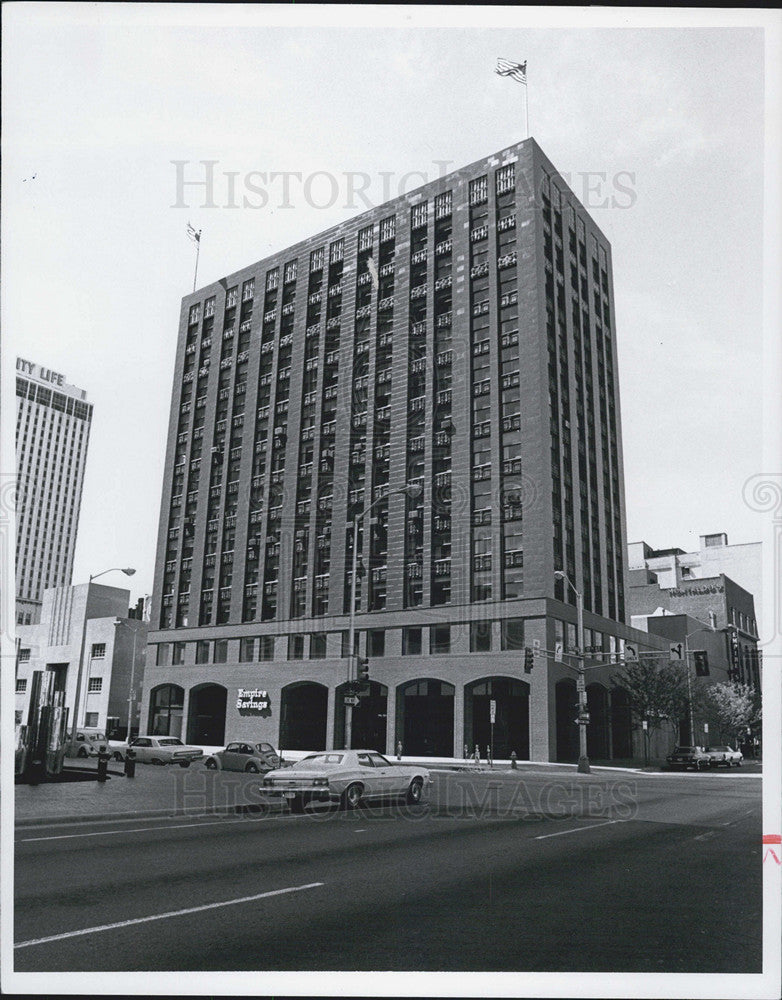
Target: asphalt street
[{"x": 494, "y": 872}]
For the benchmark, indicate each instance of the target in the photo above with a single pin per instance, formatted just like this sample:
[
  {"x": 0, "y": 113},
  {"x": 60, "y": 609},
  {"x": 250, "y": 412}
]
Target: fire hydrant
[
  {"x": 103, "y": 762},
  {"x": 130, "y": 763},
  {"x": 513, "y": 758},
  {"x": 399, "y": 750}
]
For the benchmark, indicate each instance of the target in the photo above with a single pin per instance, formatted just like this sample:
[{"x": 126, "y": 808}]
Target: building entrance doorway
[
  {"x": 425, "y": 718},
  {"x": 206, "y": 715},
  {"x": 303, "y": 710},
  {"x": 511, "y": 715},
  {"x": 369, "y": 722}
]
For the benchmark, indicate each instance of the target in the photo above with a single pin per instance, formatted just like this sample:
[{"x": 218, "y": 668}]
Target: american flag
[
  {"x": 518, "y": 71},
  {"x": 194, "y": 234}
]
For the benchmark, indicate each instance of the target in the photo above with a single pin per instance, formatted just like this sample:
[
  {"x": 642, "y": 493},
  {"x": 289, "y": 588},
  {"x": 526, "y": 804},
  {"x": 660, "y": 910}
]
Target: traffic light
[
  {"x": 363, "y": 670},
  {"x": 701, "y": 658},
  {"x": 529, "y": 660}
]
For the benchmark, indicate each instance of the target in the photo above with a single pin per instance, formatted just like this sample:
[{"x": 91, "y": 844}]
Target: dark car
[
  {"x": 684, "y": 757},
  {"x": 240, "y": 756}
]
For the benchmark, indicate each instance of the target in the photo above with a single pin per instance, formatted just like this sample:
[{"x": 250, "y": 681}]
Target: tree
[
  {"x": 735, "y": 707},
  {"x": 657, "y": 691}
]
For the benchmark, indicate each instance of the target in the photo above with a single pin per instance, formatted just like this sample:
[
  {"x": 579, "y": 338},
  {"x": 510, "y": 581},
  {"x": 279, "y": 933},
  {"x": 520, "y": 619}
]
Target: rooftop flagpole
[
  {"x": 517, "y": 72},
  {"x": 195, "y": 236}
]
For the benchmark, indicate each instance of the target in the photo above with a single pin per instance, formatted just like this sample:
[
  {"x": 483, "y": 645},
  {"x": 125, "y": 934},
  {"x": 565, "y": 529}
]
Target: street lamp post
[
  {"x": 410, "y": 489},
  {"x": 128, "y": 571},
  {"x": 131, "y": 690},
  {"x": 583, "y": 759}
]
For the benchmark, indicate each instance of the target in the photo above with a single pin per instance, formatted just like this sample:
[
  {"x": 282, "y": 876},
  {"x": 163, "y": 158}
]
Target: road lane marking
[
  {"x": 109, "y": 833},
  {"x": 165, "y": 916},
  {"x": 705, "y": 836},
  {"x": 578, "y": 829}
]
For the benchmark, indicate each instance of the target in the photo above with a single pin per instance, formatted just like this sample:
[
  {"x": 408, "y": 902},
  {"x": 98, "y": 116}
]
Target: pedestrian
[
  {"x": 477, "y": 754},
  {"x": 489, "y": 760},
  {"x": 466, "y": 751}
]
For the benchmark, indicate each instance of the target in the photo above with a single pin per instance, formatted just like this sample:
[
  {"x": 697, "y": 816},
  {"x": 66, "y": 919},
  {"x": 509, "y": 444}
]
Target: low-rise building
[{"x": 94, "y": 619}]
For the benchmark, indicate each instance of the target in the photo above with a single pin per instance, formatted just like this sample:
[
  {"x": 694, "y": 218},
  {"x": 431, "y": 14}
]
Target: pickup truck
[
  {"x": 684, "y": 757},
  {"x": 725, "y": 755}
]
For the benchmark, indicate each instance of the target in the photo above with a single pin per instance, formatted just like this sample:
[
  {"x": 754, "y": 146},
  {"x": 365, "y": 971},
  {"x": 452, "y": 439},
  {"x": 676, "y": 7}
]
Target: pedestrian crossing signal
[
  {"x": 701, "y": 658},
  {"x": 529, "y": 660}
]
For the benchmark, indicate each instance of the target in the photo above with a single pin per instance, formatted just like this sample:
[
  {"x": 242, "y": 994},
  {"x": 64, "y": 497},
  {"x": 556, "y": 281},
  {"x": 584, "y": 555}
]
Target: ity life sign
[{"x": 32, "y": 370}]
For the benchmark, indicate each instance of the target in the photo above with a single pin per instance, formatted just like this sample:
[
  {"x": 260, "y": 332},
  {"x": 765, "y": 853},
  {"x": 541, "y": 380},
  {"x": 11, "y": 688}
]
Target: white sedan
[
  {"x": 160, "y": 750},
  {"x": 349, "y": 777}
]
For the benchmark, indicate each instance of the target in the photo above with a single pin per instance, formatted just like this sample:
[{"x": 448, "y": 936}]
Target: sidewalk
[{"x": 195, "y": 791}]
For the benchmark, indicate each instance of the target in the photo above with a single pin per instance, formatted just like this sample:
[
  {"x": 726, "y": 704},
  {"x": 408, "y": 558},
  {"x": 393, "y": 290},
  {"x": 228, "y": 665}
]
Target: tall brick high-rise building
[
  {"x": 52, "y": 433},
  {"x": 459, "y": 340}
]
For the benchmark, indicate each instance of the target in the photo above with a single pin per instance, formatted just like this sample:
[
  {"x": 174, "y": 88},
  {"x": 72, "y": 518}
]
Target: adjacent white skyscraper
[{"x": 52, "y": 432}]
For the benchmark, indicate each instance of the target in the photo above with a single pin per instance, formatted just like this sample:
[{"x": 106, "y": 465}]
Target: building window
[
  {"x": 96, "y": 684},
  {"x": 440, "y": 639},
  {"x": 90, "y": 720},
  {"x": 365, "y": 239},
  {"x": 163, "y": 653},
  {"x": 480, "y": 637},
  {"x": 296, "y": 647},
  {"x": 221, "y": 651},
  {"x": 387, "y": 228},
  {"x": 98, "y": 650},
  {"x": 513, "y": 633},
  {"x": 231, "y": 296},
  {"x": 21, "y": 686},
  {"x": 318, "y": 646},
  {"x": 24, "y": 655},
  {"x": 376, "y": 642},
  {"x": 247, "y": 649},
  {"x": 177, "y": 653},
  {"x": 266, "y": 647},
  {"x": 316, "y": 260},
  {"x": 202, "y": 651},
  {"x": 419, "y": 215},
  {"x": 289, "y": 274},
  {"x": 411, "y": 641}
]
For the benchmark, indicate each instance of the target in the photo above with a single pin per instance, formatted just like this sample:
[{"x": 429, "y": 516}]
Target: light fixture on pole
[
  {"x": 583, "y": 759},
  {"x": 411, "y": 490},
  {"x": 128, "y": 571}
]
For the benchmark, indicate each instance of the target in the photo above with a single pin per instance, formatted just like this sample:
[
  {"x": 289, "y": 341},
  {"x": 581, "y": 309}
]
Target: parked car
[
  {"x": 160, "y": 750},
  {"x": 254, "y": 757},
  {"x": 725, "y": 755},
  {"x": 347, "y": 777},
  {"x": 684, "y": 757},
  {"x": 88, "y": 743}
]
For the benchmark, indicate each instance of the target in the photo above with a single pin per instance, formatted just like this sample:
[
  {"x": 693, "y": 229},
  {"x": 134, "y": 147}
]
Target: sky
[{"x": 107, "y": 109}]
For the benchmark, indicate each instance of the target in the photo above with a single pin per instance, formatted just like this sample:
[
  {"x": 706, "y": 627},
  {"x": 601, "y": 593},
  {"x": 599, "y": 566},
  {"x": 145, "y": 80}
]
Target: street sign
[
  {"x": 558, "y": 650},
  {"x": 351, "y": 699},
  {"x": 631, "y": 653},
  {"x": 536, "y": 645},
  {"x": 580, "y": 683},
  {"x": 677, "y": 650},
  {"x": 492, "y": 711}
]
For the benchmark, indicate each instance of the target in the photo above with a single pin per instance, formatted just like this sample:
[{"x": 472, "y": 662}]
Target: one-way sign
[{"x": 351, "y": 699}]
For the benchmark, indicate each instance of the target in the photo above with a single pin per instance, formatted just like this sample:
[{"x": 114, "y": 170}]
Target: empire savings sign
[{"x": 252, "y": 699}]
